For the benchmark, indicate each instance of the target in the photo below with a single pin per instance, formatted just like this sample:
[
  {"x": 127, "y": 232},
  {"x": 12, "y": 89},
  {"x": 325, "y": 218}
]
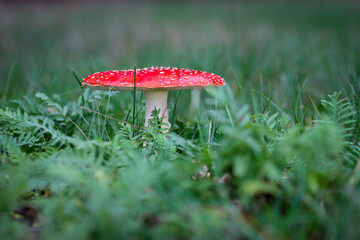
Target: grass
[{"x": 272, "y": 155}]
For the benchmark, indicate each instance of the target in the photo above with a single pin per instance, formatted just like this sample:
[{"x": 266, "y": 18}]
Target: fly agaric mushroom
[{"x": 155, "y": 82}]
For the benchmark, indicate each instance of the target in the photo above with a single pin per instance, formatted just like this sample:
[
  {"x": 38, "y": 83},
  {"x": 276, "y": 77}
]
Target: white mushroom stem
[
  {"x": 158, "y": 100},
  {"x": 195, "y": 103}
]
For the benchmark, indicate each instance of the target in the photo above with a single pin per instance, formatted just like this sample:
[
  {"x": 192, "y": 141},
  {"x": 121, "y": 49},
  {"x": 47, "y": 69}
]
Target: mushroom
[{"x": 155, "y": 82}]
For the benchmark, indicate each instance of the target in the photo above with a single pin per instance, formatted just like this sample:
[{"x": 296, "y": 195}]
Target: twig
[
  {"x": 109, "y": 117},
  {"x": 66, "y": 117},
  {"x": 79, "y": 129}
]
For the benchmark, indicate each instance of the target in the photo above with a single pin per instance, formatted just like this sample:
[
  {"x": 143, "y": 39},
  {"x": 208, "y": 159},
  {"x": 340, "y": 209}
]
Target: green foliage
[
  {"x": 268, "y": 156},
  {"x": 259, "y": 171},
  {"x": 343, "y": 114}
]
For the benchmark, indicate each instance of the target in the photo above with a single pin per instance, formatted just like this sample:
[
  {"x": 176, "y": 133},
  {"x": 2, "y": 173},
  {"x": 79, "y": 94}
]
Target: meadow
[{"x": 274, "y": 154}]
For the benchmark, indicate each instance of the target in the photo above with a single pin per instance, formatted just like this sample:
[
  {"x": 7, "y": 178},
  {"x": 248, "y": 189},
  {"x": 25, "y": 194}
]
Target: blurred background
[{"x": 249, "y": 43}]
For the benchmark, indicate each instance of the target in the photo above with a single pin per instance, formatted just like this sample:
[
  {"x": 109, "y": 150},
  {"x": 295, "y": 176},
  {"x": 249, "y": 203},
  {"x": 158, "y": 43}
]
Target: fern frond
[
  {"x": 26, "y": 127},
  {"x": 342, "y": 112}
]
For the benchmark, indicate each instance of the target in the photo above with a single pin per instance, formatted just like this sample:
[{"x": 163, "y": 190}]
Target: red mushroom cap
[{"x": 154, "y": 78}]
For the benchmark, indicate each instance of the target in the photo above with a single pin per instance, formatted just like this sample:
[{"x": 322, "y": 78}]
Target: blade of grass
[
  {"x": 77, "y": 79},
  {"x": 6, "y": 89},
  {"x": 215, "y": 121},
  {"x": 134, "y": 100},
  {"x": 267, "y": 104},
  {"x": 36, "y": 85},
  {"x": 229, "y": 115},
  {"x": 312, "y": 102},
  {"x": 237, "y": 77},
  {"x": 254, "y": 102},
  {"x": 174, "y": 109},
  {"x": 105, "y": 119},
  {"x": 140, "y": 108},
  {"x": 79, "y": 82},
  {"x": 128, "y": 115},
  {"x": 282, "y": 112}
]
